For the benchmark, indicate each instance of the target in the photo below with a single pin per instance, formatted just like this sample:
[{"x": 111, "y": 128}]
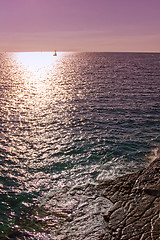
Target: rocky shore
[
  {"x": 126, "y": 208},
  {"x": 136, "y": 199}
]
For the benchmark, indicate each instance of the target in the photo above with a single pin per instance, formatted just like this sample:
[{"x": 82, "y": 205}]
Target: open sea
[{"x": 67, "y": 121}]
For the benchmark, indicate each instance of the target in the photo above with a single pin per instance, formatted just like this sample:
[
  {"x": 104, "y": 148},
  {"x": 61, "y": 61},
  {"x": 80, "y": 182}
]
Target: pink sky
[{"x": 80, "y": 25}]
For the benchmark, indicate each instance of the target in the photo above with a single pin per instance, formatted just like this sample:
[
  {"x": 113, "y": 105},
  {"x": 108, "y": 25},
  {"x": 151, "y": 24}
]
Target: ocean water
[{"x": 67, "y": 121}]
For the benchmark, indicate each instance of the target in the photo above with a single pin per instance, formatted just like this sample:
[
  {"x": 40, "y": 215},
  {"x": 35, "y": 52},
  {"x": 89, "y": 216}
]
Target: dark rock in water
[
  {"x": 125, "y": 208},
  {"x": 134, "y": 215}
]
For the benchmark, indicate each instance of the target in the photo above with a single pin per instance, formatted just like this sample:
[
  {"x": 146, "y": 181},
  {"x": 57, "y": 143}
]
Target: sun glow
[
  {"x": 36, "y": 67},
  {"x": 34, "y": 61},
  {"x": 40, "y": 76}
]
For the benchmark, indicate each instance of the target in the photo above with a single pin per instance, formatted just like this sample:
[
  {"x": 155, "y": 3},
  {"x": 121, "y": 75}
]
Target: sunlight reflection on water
[
  {"x": 34, "y": 61},
  {"x": 41, "y": 77},
  {"x": 68, "y": 120}
]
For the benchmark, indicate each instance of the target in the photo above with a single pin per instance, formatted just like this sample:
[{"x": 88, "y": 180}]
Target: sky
[{"x": 80, "y": 25}]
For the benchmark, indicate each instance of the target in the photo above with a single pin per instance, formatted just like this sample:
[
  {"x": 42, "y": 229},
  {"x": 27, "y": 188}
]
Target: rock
[
  {"x": 134, "y": 215},
  {"x": 125, "y": 208}
]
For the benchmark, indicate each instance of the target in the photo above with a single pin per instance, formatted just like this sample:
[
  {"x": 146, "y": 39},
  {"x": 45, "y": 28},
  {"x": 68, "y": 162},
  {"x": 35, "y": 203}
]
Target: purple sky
[{"x": 80, "y": 25}]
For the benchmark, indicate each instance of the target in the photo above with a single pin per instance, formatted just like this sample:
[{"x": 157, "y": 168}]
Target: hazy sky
[{"x": 80, "y": 25}]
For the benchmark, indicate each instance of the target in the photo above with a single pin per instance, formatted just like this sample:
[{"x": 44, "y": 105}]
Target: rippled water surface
[{"x": 68, "y": 120}]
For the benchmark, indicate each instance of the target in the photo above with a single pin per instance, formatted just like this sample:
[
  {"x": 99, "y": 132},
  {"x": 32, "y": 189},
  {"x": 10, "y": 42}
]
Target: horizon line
[{"x": 34, "y": 51}]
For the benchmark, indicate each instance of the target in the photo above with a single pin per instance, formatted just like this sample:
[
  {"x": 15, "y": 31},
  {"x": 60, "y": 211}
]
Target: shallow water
[{"x": 69, "y": 120}]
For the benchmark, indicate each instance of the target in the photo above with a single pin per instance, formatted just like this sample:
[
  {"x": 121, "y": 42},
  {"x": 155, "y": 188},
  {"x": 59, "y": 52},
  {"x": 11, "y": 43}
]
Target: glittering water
[{"x": 68, "y": 120}]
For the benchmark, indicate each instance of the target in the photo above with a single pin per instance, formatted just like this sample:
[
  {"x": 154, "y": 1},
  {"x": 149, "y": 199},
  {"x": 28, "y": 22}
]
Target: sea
[{"x": 66, "y": 122}]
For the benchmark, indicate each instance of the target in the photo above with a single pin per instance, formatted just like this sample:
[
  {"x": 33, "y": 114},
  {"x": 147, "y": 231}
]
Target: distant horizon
[
  {"x": 80, "y": 26},
  {"x": 81, "y": 51}
]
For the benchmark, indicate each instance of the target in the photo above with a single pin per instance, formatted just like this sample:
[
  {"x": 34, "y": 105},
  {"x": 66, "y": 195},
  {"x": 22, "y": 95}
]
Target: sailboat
[{"x": 55, "y": 54}]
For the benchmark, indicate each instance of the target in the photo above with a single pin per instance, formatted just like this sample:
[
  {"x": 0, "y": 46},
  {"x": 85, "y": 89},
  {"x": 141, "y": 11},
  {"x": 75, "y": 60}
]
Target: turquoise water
[{"x": 68, "y": 120}]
